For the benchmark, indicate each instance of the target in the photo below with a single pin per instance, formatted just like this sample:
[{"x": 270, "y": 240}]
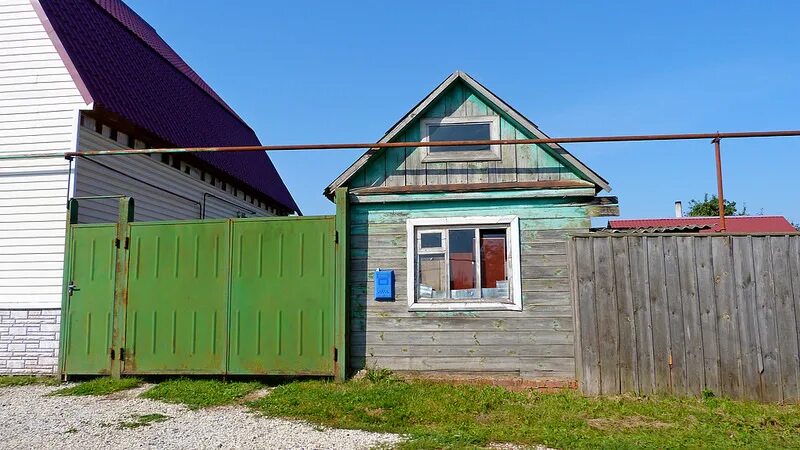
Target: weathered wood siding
[
  {"x": 160, "y": 191},
  {"x": 534, "y": 342},
  {"x": 679, "y": 314},
  {"x": 39, "y": 104},
  {"x": 404, "y": 167}
]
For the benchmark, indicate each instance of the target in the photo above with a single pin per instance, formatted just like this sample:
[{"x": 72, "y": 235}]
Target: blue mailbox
[{"x": 384, "y": 284}]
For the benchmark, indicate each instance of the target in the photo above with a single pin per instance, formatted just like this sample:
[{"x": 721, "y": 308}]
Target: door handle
[{"x": 72, "y": 288}]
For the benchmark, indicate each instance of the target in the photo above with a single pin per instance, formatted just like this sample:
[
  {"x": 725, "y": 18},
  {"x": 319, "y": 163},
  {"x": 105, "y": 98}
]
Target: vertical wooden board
[
  {"x": 511, "y": 167},
  {"x": 728, "y": 329},
  {"x": 692, "y": 329},
  {"x": 375, "y": 171},
  {"x": 457, "y": 172},
  {"x": 478, "y": 171},
  {"x": 659, "y": 313},
  {"x": 677, "y": 339},
  {"x": 585, "y": 303},
  {"x": 628, "y": 367},
  {"x": 437, "y": 109},
  {"x": 748, "y": 331},
  {"x": 475, "y": 106},
  {"x": 794, "y": 270},
  {"x": 454, "y": 101},
  {"x": 766, "y": 321},
  {"x": 549, "y": 167},
  {"x": 606, "y": 307},
  {"x": 640, "y": 289},
  {"x": 706, "y": 298},
  {"x": 395, "y": 160},
  {"x": 416, "y": 170},
  {"x": 785, "y": 314}
]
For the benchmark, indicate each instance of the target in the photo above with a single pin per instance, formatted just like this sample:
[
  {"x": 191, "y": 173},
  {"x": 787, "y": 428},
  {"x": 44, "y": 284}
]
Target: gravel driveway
[{"x": 31, "y": 419}]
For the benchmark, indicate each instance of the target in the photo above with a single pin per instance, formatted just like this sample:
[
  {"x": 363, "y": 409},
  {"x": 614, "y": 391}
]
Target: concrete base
[{"x": 29, "y": 341}]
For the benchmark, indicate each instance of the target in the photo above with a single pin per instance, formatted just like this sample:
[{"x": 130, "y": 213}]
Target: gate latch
[{"x": 71, "y": 288}]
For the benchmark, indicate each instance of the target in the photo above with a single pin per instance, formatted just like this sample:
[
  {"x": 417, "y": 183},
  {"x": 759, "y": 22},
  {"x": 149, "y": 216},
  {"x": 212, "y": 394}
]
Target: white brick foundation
[{"x": 29, "y": 341}]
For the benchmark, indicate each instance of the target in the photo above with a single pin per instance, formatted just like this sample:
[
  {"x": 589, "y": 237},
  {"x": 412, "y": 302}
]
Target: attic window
[{"x": 461, "y": 129}]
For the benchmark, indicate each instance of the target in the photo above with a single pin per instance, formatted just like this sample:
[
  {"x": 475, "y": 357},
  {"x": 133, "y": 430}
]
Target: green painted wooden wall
[{"x": 403, "y": 166}]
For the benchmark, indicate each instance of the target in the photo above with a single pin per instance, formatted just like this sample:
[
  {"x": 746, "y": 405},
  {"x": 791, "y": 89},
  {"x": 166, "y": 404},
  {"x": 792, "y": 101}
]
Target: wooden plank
[
  {"x": 706, "y": 298},
  {"x": 395, "y": 160},
  {"x": 794, "y": 264},
  {"x": 628, "y": 367},
  {"x": 416, "y": 171},
  {"x": 767, "y": 325},
  {"x": 512, "y": 324},
  {"x": 506, "y": 169},
  {"x": 659, "y": 313},
  {"x": 410, "y": 349},
  {"x": 585, "y": 307},
  {"x": 606, "y": 310},
  {"x": 479, "y": 187},
  {"x": 727, "y": 317},
  {"x": 692, "y": 328},
  {"x": 785, "y": 314},
  {"x": 640, "y": 290},
  {"x": 451, "y": 337},
  {"x": 677, "y": 346},
  {"x": 743, "y": 270}
]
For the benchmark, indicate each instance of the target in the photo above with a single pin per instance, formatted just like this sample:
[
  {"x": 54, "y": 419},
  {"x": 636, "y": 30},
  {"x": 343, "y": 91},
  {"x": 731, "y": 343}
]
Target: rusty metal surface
[{"x": 720, "y": 195}]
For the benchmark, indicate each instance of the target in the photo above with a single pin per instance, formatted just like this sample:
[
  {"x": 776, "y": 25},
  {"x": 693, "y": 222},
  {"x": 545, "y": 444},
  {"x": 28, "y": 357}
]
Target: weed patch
[
  {"x": 143, "y": 421},
  {"x": 100, "y": 386},
  {"x": 200, "y": 393},
  {"x": 439, "y": 415}
]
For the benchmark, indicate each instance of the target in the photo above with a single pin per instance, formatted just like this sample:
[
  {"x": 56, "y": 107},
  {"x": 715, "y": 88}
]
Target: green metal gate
[{"x": 258, "y": 296}]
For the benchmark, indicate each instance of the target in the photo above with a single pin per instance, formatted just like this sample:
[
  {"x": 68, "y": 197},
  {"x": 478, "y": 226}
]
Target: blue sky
[{"x": 313, "y": 72}]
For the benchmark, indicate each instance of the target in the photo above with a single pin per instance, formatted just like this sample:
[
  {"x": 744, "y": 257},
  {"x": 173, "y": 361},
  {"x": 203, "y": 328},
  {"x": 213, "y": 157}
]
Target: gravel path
[{"x": 31, "y": 419}]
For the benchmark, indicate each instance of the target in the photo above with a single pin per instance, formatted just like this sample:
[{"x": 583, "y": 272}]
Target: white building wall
[
  {"x": 39, "y": 110},
  {"x": 160, "y": 191}
]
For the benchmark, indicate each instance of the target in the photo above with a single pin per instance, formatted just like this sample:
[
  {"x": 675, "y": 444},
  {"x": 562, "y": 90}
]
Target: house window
[
  {"x": 466, "y": 263},
  {"x": 461, "y": 129}
]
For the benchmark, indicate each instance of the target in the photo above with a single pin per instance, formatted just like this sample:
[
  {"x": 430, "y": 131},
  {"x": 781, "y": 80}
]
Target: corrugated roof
[
  {"x": 733, "y": 224},
  {"x": 131, "y": 72}
]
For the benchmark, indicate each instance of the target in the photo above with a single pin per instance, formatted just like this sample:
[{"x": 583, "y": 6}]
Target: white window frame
[
  {"x": 511, "y": 223},
  {"x": 493, "y": 154}
]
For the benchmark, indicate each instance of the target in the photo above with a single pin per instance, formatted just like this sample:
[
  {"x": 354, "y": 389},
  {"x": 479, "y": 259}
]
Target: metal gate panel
[
  {"x": 89, "y": 306},
  {"x": 177, "y": 298},
  {"x": 282, "y": 296}
]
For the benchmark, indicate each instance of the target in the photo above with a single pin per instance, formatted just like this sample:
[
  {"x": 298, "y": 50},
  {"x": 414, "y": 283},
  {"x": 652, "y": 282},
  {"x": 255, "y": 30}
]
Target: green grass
[
  {"x": 142, "y": 421},
  {"x": 100, "y": 386},
  {"x": 200, "y": 393},
  {"x": 24, "y": 380},
  {"x": 437, "y": 415}
]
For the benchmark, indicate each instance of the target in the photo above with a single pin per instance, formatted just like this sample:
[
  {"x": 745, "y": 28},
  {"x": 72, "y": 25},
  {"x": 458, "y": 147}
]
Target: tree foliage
[{"x": 709, "y": 206}]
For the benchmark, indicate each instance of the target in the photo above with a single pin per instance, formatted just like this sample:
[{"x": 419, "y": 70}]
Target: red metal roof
[{"x": 734, "y": 224}]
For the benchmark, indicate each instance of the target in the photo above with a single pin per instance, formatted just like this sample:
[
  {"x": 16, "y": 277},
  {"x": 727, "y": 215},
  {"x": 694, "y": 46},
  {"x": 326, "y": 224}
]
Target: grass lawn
[
  {"x": 196, "y": 393},
  {"x": 100, "y": 386},
  {"x": 24, "y": 380},
  {"x": 438, "y": 415}
]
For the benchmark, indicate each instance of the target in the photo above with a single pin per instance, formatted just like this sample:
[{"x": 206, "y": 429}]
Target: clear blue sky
[{"x": 312, "y": 72}]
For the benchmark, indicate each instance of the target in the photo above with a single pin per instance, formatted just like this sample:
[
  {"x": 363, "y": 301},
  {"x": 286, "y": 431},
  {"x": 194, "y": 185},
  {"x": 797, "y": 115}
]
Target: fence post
[
  {"x": 122, "y": 244},
  {"x": 72, "y": 218},
  {"x": 341, "y": 286}
]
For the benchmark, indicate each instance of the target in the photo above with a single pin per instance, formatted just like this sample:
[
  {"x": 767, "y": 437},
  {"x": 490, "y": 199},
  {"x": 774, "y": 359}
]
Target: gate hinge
[
  {"x": 122, "y": 354},
  {"x": 113, "y": 354},
  {"x": 335, "y": 354}
]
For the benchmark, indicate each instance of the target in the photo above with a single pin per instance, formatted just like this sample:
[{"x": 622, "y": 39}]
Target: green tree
[{"x": 709, "y": 206}]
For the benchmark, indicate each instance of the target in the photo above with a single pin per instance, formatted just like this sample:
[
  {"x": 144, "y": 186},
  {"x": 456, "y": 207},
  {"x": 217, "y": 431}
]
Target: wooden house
[
  {"x": 92, "y": 74},
  {"x": 476, "y": 237}
]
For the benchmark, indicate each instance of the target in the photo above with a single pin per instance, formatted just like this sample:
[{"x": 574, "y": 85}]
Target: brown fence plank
[
  {"x": 785, "y": 317},
  {"x": 767, "y": 325},
  {"x": 706, "y": 298},
  {"x": 692, "y": 330},
  {"x": 628, "y": 367},
  {"x": 590, "y": 362},
  {"x": 659, "y": 313},
  {"x": 607, "y": 323},
  {"x": 640, "y": 287},
  {"x": 727, "y": 318},
  {"x": 745, "y": 290},
  {"x": 794, "y": 264},
  {"x": 677, "y": 341}
]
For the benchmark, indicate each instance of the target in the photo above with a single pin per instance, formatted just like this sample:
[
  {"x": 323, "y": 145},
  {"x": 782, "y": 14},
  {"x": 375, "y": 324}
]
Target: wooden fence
[{"x": 679, "y": 314}]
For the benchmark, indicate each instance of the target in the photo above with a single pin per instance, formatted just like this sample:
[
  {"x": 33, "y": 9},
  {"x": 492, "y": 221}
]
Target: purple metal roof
[{"x": 130, "y": 71}]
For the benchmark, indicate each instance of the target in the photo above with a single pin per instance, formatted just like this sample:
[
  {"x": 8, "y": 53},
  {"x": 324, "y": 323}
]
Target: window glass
[
  {"x": 459, "y": 132},
  {"x": 494, "y": 266},
  {"x": 432, "y": 276},
  {"x": 431, "y": 240},
  {"x": 462, "y": 263}
]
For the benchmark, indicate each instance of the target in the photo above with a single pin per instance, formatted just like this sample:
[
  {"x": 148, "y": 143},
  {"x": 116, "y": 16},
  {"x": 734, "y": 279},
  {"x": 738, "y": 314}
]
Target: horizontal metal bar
[{"x": 377, "y": 145}]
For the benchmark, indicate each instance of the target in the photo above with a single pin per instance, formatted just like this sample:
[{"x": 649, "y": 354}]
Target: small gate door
[
  {"x": 282, "y": 296},
  {"x": 89, "y": 305}
]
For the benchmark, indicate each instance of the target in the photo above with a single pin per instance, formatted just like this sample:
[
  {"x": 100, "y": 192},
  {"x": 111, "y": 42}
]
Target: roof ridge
[{"x": 109, "y": 7}]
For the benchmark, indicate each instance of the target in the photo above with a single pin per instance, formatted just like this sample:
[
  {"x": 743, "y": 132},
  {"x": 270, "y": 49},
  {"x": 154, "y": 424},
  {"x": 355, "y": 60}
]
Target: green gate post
[
  {"x": 341, "y": 298},
  {"x": 72, "y": 218},
  {"x": 121, "y": 286}
]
